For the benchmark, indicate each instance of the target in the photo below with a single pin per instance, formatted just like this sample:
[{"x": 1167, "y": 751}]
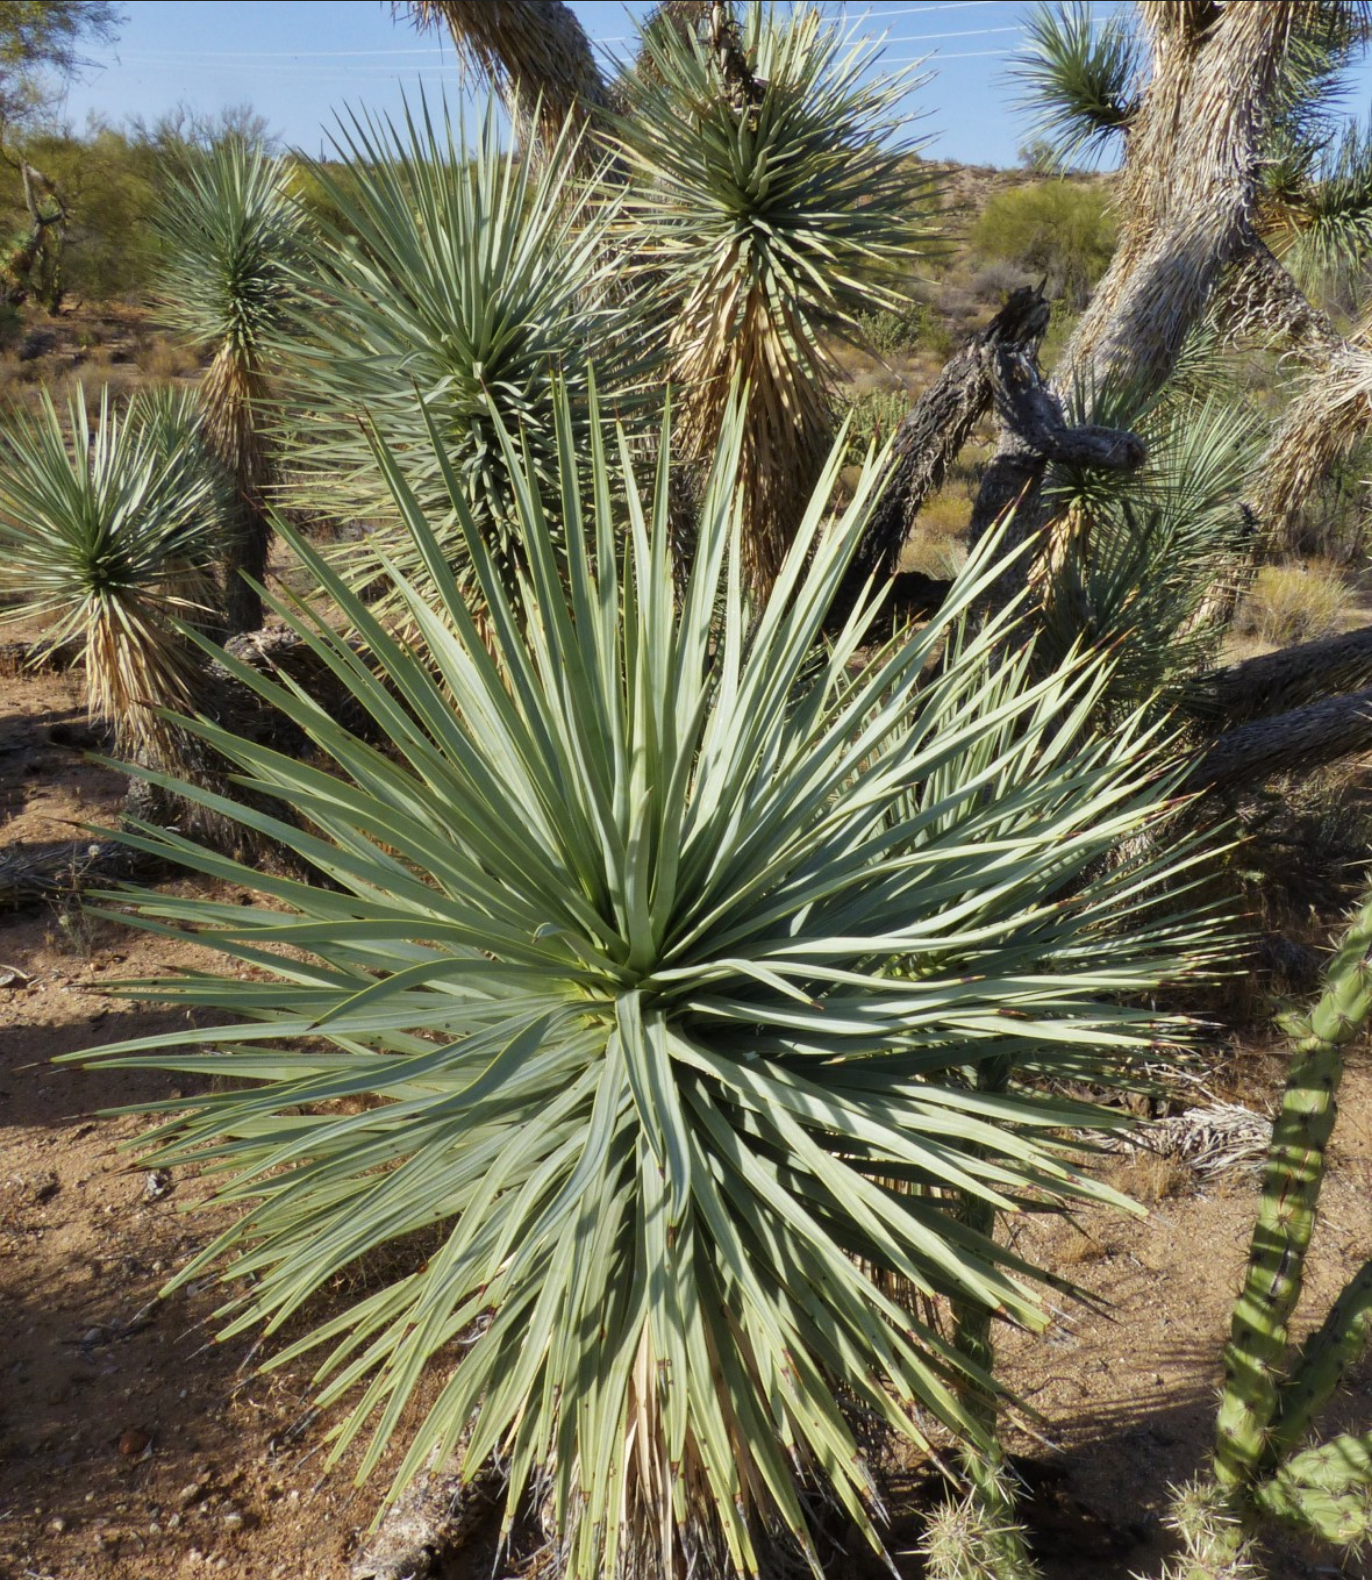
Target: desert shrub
[
  {"x": 995, "y": 280},
  {"x": 110, "y": 184},
  {"x": 1060, "y": 229},
  {"x": 875, "y": 415},
  {"x": 904, "y": 329},
  {"x": 1294, "y": 603}
]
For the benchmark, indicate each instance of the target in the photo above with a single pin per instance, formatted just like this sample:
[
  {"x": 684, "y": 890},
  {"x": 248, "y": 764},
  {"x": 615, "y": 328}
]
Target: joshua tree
[
  {"x": 233, "y": 236},
  {"x": 769, "y": 200}
]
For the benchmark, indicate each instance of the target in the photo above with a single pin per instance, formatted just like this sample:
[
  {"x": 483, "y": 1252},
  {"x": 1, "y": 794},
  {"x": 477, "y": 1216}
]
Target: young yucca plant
[
  {"x": 664, "y": 945},
  {"x": 769, "y": 217},
  {"x": 111, "y": 536},
  {"x": 233, "y": 235},
  {"x": 1150, "y": 564},
  {"x": 468, "y": 284}
]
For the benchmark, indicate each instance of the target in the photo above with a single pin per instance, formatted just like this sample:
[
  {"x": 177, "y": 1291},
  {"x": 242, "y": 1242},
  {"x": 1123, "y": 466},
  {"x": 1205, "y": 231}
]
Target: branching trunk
[
  {"x": 1189, "y": 187},
  {"x": 1034, "y": 432},
  {"x": 1303, "y": 739},
  {"x": 1282, "y": 681},
  {"x": 936, "y": 428},
  {"x": 535, "y": 50}
]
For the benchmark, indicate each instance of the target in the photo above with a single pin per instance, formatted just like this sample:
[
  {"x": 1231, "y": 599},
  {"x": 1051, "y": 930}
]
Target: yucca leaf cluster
[
  {"x": 465, "y": 285},
  {"x": 656, "y": 960},
  {"x": 1150, "y": 565},
  {"x": 767, "y": 229},
  {"x": 232, "y": 235},
  {"x": 110, "y": 529}
]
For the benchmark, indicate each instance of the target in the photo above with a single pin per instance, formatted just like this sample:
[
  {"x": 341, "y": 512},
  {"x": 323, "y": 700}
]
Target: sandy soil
[{"x": 134, "y": 1447}]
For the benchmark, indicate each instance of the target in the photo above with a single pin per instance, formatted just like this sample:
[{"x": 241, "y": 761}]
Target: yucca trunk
[
  {"x": 1329, "y": 416},
  {"x": 234, "y": 391},
  {"x": 1189, "y": 186},
  {"x": 789, "y": 427},
  {"x": 536, "y": 51},
  {"x": 1286, "y": 1216}
]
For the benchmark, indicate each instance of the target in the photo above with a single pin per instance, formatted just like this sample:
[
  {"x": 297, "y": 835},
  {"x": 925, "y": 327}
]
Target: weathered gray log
[
  {"x": 438, "y": 1514},
  {"x": 1033, "y": 433},
  {"x": 1304, "y": 738},
  {"x": 927, "y": 443},
  {"x": 1282, "y": 681}
]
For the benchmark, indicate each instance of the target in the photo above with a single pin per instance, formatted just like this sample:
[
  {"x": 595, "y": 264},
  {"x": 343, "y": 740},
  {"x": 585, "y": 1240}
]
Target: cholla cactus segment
[
  {"x": 968, "y": 1540},
  {"x": 1286, "y": 1216},
  {"x": 1326, "y": 1491},
  {"x": 1214, "y": 1546},
  {"x": 1322, "y": 1361}
]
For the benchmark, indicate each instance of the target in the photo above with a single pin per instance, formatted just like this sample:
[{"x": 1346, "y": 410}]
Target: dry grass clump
[
  {"x": 1294, "y": 603},
  {"x": 1150, "y": 1177},
  {"x": 165, "y": 359}
]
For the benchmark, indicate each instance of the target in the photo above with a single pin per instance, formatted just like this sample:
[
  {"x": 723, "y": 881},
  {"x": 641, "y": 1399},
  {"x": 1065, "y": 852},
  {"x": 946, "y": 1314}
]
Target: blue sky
[{"x": 298, "y": 61}]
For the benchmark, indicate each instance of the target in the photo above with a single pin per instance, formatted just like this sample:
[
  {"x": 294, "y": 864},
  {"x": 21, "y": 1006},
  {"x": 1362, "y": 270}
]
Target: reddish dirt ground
[{"x": 134, "y": 1447}]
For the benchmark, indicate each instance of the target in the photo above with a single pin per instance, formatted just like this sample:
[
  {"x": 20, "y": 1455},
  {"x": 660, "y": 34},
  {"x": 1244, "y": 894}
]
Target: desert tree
[
  {"x": 459, "y": 286},
  {"x": 233, "y": 235}
]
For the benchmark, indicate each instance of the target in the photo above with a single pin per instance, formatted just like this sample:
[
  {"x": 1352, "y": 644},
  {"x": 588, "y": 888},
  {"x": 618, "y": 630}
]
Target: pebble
[
  {"x": 192, "y": 1492},
  {"x": 233, "y": 1519},
  {"x": 57, "y": 1525}
]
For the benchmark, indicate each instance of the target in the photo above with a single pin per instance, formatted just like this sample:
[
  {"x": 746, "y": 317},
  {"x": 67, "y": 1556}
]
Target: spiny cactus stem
[
  {"x": 1286, "y": 1212},
  {"x": 1322, "y": 1361},
  {"x": 991, "y": 1503}
]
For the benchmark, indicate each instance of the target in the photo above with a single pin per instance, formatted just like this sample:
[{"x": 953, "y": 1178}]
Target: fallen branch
[
  {"x": 1281, "y": 681},
  {"x": 1305, "y": 738}
]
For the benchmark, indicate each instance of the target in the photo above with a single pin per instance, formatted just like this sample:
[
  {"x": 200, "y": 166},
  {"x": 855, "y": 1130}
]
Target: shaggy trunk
[
  {"x": 234, "y": 392},
  {"x": 536, "y": 51},
  {"x": 1189, "y": 186},
  {"x": 1331, "y": 414}
]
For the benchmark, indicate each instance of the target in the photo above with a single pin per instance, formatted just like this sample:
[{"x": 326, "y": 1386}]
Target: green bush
[
  {"x": 109, "y": 183},
  {"x": 875, "y": 416},
  {"x": 905, "y": 329},
  {"x": 1060, "y": 229}
]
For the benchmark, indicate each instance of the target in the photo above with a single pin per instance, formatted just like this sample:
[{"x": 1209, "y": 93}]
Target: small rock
[
  {"x": 232, "y": 1519},
  {"x": 57, "y": 1525},
  {"x": 157, "y": 1183},
  {"x": 133, "y": 1442},
  {"x": 44, "y": 1186},
  {"x": 174, "y": 1523},
  {"x": 191, "y": 1493}
]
